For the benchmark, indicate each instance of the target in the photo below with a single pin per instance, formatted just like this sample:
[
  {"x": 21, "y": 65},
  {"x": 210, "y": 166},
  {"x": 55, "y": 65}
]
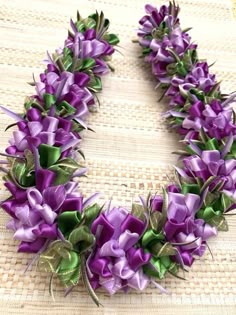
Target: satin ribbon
[
  {"x": 117, "y": 262},
  {"x": 64, "y": 257},
  {"x": 158, "y": 267},
  {"x": 60, "y": 258}
]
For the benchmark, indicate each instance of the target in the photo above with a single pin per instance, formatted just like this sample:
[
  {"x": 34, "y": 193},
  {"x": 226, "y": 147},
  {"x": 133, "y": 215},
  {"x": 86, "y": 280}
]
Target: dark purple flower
[
  {"x": 211, "y": 163},
  {"x": 164, "y": 20},
  {"x": 198, "y": 78},
  {"x": 116, "y": 263},
  {"x": 48, "y": 130},
  {"x": 182, "y": 226},
  {"x": 34, "y": 214}
]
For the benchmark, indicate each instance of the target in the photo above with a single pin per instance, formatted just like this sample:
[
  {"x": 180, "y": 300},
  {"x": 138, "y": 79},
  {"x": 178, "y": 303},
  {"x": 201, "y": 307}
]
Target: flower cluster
[
  {"x": 194, "y": 209},
  {"x": 42, "y": 152},
  {"x": 114, "y": 248},
  {"x": 116, "y": 262},
  {"x": 182, "y": 226}
]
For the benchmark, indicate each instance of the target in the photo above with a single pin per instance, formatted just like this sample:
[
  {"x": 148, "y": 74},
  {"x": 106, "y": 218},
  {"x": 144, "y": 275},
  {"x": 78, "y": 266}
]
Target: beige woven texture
[{"x": 130, "y": 153}]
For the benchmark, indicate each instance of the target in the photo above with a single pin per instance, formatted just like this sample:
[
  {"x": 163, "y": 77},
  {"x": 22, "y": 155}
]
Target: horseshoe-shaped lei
[{"x": 110, "y": 247}]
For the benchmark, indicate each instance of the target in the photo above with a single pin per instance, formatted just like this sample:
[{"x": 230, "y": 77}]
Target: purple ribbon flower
[
  {"x": 154, "y": 18},
  {"x": 47, "y": 130},
  {"x": 34, "y": 213},
  {"x": 198, "y": 78},
  {"x": 182, "y": 226},
  {"x": 211, "y": 163},
  {"x": 116, "y": 263}
]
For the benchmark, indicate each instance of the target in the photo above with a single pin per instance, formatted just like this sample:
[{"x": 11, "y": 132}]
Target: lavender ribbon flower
[
  {"x": 182, "y": 226},
  {"x": 211, "y": 163},
  {"x": 47, "y": 130},
  {"x": 215, "y": 119},
  {"x": 116, "y": 263},
  {"x": 199, "y": 78},
  {"x": 154, "y": 18},
  {"x": 34, "y": 213}
]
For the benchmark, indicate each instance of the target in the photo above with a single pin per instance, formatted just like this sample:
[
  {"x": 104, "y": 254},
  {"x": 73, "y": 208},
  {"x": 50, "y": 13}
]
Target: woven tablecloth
[{"x": 130, "y": 153}]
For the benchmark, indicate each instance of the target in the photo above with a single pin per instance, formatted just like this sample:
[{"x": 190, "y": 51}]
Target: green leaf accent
[
  {"x": 87, "y": 63},
  {"x": 113, "y": 39},
  {"x": 22, "y": 175},
  {"x": 190, "y": 188},
  {"x": 66, "y": 109},
  {"x": 214, "y": 217},
  {"x": 70, "y": 270},
  {"x": 151, "y": 237},
  {"x": 81, "y": 238},
  {"x": 95, "y": 84},
  {"x": 87, "y": 282},
  {"x": 68, "y": 220},
  {"x": 49, "y": 100},
  {"x": 159, "y": 250},
  {"x": 207, "y": 214},
  {"x": 146, "y": 51},
  {"x": 22, "y": 171},
  {"x": 226, "y": 201},
  {"x": 48, "y": 155},
  {"x": 80, "y": 26},
  {"x": 204, "y": 137},
  {"x": 212, "y": 144},
  {"x": 158, "y": 267},
  {"x": 68, "y": 163},
  {"x": 138, "y": 211},
  {"x": 165, "y": 203},
  {"x": 91, "y": 213},
  {"x": 219, "y": 222},
  {"x": 157, "y": 221},
  {"x": 207, "y": 183},
  {"x": 61, "y": 259},
  {"x": 64, "y": 169},
  {"x": 62, "y": 175}
]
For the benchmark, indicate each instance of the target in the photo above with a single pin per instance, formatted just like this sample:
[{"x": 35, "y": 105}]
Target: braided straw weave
[{"x": 129, "y": 154}]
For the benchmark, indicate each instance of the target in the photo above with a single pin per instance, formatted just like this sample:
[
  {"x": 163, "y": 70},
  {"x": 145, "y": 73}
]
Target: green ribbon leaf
[
  {"x": 95, "y": 84},
  {"x": 68, "y": 163},
  {"x": 190, "y": 188},
  {"x": 157, "y": 221},
  {"x": 86, "y": 281},
  {"x": 64, "y": 169},
  {"x": 69, "y": 269},
  {"x": 138, "y": 211},
  {"x": 165, "y": 203},
  {"x": 48, "y": 155},
  {"x": 159, "y": 250},
  {"x": 158, "y": 267},
  {"x": 87, "y": 63},
  {"x": 219, "y": 222},
  {"x": 91, "y": 213},
  {"x": 80, "y": 26},
  {"x": 51, "y": 257},
  {"x": 22, "y": 171},
  {"x": 214, "y": 217},
  {"x": 112, "y": 39},
  {"x": 60, "y": 258},
  {"x": 68, "y": 220},
  {"x": 212, "y": 144},
  {"x": 226, "y": 201},
  {"x": 62, "y": 176},
  {"x": 66, "y": 109},
  {"x": 151, "y": 237},
  {"x": 49, "y": 100},
  {"x": 81, "y": 238}
]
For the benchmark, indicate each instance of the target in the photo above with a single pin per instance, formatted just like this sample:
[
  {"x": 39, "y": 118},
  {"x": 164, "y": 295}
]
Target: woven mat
[{"x": 130, "y": 153}]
